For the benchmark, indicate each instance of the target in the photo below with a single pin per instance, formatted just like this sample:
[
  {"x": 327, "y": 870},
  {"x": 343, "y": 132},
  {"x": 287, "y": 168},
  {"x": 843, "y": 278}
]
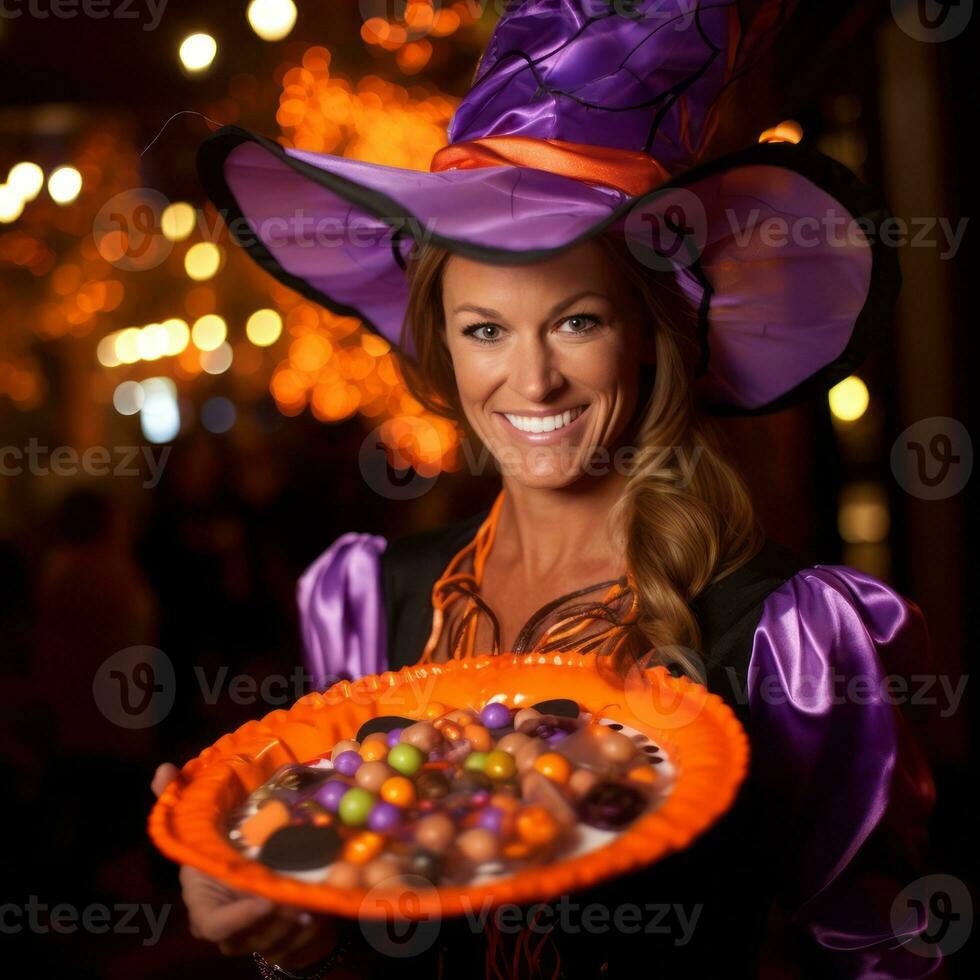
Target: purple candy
[
  {"x": 384, "y": 816},
  {"x": 329, "y": 794},
  {"x": 495, "y": 715},
  {"x": 490, "y": 818},
  {"x": 557, "y": 737},
  {"x": 348, "y": 762},
  {"x": 394, "y": 736}
]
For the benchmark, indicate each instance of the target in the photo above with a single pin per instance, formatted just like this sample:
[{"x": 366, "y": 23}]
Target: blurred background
[{"x": 181, "y": 435}]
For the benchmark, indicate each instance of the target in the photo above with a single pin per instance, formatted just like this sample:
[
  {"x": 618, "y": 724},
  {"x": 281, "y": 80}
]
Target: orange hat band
[{"x": 624, "y": 170}]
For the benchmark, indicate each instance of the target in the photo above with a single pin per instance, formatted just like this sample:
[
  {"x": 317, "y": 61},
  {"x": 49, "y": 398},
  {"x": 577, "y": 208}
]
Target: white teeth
[{"x": 538, "y": 423}]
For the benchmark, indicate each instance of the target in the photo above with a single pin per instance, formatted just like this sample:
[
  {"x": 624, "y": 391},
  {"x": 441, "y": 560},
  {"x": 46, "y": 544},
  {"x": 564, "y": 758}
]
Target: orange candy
[
  {"x": 556, "y": 767},
  {"x": 535, "y": 825},
  {"x": 263, "y": 822},
  {"x": 374, "y": 749},
  {"x": 399, "y": 790},
  {"x": 478, "y": 737},
  {"x": 643, "y": 774},
  {"x": 516, "y": 850},
  {"x": 450, "y": 731},
  {"x": 363, "y": 847}
]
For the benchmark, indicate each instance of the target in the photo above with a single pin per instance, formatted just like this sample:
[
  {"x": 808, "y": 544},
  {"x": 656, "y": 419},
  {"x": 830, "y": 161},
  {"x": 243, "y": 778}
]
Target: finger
[
  {"x": 166, "y": 773},
  {"x": 219, "y": 923}
]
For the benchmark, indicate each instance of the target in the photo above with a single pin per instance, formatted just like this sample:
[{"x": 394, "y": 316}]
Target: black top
[{"x": 699, "y": 913}]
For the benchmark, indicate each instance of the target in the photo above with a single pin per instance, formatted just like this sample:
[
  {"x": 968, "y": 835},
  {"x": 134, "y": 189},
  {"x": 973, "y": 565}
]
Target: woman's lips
[{"x": 543, "y": 438}]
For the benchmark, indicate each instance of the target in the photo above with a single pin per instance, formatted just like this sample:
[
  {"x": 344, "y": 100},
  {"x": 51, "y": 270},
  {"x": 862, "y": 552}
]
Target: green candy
[
  {"x": 476, "y": 761},
  {"x": 406, "y": 758},
  {"x": 355, "y": 805}
]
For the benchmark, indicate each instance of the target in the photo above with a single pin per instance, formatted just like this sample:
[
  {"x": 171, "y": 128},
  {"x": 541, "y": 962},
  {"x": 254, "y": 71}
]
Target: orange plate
[{"x": 697, "y": 729}]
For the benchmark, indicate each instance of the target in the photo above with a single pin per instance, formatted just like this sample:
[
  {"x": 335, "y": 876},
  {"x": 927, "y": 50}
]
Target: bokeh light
[
  {"x": 848, "y": 399},
  {"x": 197, "y": 52},
  {"x": 209, "y": 332},
  {"x": 177, "y": 221},
  {"x": 64, "y": 185},
  {"x": 202, "y": 261},
  {"x": 264, "y": 327},
  {"x": 272, "y": 20}
]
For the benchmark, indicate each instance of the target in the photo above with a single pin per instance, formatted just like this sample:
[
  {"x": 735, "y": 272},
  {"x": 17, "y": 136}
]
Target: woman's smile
[{"x": 542, "y": 426}]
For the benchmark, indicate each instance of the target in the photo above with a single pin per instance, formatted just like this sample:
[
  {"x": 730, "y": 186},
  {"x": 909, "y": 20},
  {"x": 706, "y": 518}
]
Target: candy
[
  {"x": 355, "y": 805},
  {"x": 300, "y": 847},
  {"x": 478, "y": 844},
  {"x": 435, "y": 832},
  {"x": 423, "y": 735},
  {"x": 329, "y": 794},
  {"x": 525, "y": 715},
  {"x": 434, "y": 710},
  {"x": 536, "y": 826},
  {"x": 450, "y": 731},
  {"x": 398, "y": 791},
  {"x": 554, "y": 766},
  {"x": 495, "y": 715},
  {"x": 490, "y": 818},
  {"x": 478, "y": 737},
  {"x": 431, "y": 784},
  {"x": 581, "y": 781},
  {"x": 476, "y": 762},
  {"x": 512, "y": 742},
  {"x": 371, "y": 775},
  {"x": 394, "y": 737},
  {"x": 611, "y": 805},
  {"x": 363, "y": 847},
  {"x": 348, "y": 762},
  {"x": 383, "y": 723},
  {"x": 525, "y": 756},
  {"x": 539, "y": 789},
  {"x": 470, "y": 780},
  {"x": 265, "y": 821},
  {"x": 406, "y": 758},
  {"x": 384, "y": 817},
  {"x": 425, "y": 864},
  {"x": 616, "y": 747},
  {"x": 499, "y": 765},
  {"x": 343, "y": 874},
  {"x": 345, "y": 745},
  {"x": 375, "y": 747},
  {"x": 382, "y": 868}
]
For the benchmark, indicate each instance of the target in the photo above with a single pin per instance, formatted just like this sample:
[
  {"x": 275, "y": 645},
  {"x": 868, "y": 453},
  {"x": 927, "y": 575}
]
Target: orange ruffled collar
[{"x": 597, "y": 619}]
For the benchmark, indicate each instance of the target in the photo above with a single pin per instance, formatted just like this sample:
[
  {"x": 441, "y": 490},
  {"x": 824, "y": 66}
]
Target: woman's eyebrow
[{"x": 486, "y": 311}]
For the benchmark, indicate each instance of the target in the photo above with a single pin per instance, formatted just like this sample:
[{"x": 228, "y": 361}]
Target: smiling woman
[{"x": 586, "y": 357}]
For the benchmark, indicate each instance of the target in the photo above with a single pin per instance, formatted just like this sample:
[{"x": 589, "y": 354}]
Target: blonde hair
[{"x": 680, "y": 530}]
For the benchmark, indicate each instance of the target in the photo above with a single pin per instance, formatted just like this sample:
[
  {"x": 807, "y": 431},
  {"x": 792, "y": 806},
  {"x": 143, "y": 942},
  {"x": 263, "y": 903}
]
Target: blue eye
[{"x": 593, "y": 322}]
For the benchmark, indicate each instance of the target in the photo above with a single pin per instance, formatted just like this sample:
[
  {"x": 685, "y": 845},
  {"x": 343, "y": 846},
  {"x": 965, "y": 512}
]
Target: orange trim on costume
[
  {"x": 629, "y": 171},
  {"x": 453, "y": 586}
]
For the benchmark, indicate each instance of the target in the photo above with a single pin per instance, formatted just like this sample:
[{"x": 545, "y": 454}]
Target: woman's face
[{"x": 547, "y": 361}]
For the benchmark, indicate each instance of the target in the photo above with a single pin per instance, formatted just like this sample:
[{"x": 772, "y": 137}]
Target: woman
[{"x": 534, "y": 304}]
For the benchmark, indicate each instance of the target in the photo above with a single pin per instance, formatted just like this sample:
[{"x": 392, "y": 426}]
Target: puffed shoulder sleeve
[
  {"x": 342, "y": 612},
  {"x": 828, "y": 679}
]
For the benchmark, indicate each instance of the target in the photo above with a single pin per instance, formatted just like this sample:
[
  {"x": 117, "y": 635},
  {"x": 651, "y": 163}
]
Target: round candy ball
[
  {"x": 371, "y": 775},
  {"x": 535, "y": 825},
  {"x": 355, "y": 806},
  {"x": 423, "y": 735},
  {"x": 406, "y": 758},
  {"x": 491, "y": 818},
  {"x": 330, "y": 793},
  {"x": 384, "y": 817},
  {"x": 430, "y": 784},
  {"x": 394, "y": 737},
  {"x": 347, "y": 763},
  {"x": 476, "y": 761},
  {"x": 495, "y": 715},
  {"x": 478, "y": 844},
  {"x": 499, "y": 764},
  {"x": 435, "y": 832},
  {"x": 399, "y": 791},
  {"x": 556, "y": 767}
]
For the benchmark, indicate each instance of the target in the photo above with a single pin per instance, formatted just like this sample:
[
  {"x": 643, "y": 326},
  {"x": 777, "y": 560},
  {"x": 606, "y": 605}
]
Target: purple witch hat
[{"x": 587, "y": 115}]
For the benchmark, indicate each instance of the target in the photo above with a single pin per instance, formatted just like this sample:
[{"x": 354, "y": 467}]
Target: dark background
[{"x": 203, "y": 566}]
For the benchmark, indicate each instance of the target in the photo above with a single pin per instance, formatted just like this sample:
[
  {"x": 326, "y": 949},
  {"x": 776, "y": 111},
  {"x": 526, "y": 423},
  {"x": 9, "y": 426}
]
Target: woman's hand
[{"x": 240, "y": 923}]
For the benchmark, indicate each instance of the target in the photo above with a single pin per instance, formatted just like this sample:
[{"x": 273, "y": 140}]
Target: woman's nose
[{"x": 535, "y": 374}]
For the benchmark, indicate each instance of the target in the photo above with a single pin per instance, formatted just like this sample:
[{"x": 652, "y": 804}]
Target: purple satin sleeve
[
  {"x": 825, "y": 694},
  {"x": 341, "y": 610}
]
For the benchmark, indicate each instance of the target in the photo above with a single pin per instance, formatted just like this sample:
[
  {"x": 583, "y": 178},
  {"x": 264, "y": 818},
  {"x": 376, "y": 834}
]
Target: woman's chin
[{"x": 541, "y": 470}]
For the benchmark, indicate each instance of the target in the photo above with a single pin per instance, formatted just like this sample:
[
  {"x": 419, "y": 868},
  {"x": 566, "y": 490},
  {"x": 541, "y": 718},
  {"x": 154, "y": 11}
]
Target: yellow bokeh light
[
  {"x": 64, "y": 185},
  {"x": 202, "y": 261},
  {"x": 177, "y": 221},
  {"x": 849, "y": 399},
  {"x": 127, "y": 345},
  {"x": 863, "y": 516},
  {"x": 272, "y": 20},
  {"x": 106, "y": 351},
  {"x": 264, "y": 327},
  {"x": 178, "y": 335},
  {"x": 209, "y": 332},
  {"x": 11, "y": 204},
  {"x": 788, "y": 131},
  {"x": 151, "y": 343},
  {"x": 197, "y": 51},
  {"x": 26, "y": 179}
]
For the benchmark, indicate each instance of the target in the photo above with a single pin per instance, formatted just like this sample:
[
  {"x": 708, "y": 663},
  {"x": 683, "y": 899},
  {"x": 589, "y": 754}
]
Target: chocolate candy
[
  {"x": 469, "y": 780},
  {"x": 423, "y": 735},
  {"x": 435, "y": 832},
  {"x": 300, "y": 847},
  {"x": 610, "y": 805},
  {"x": 371, "y": 775},
  {"x": 431, "y": 784},
  {"x": 478, "y": 844},
  {"x": 425, "y": 864}
]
